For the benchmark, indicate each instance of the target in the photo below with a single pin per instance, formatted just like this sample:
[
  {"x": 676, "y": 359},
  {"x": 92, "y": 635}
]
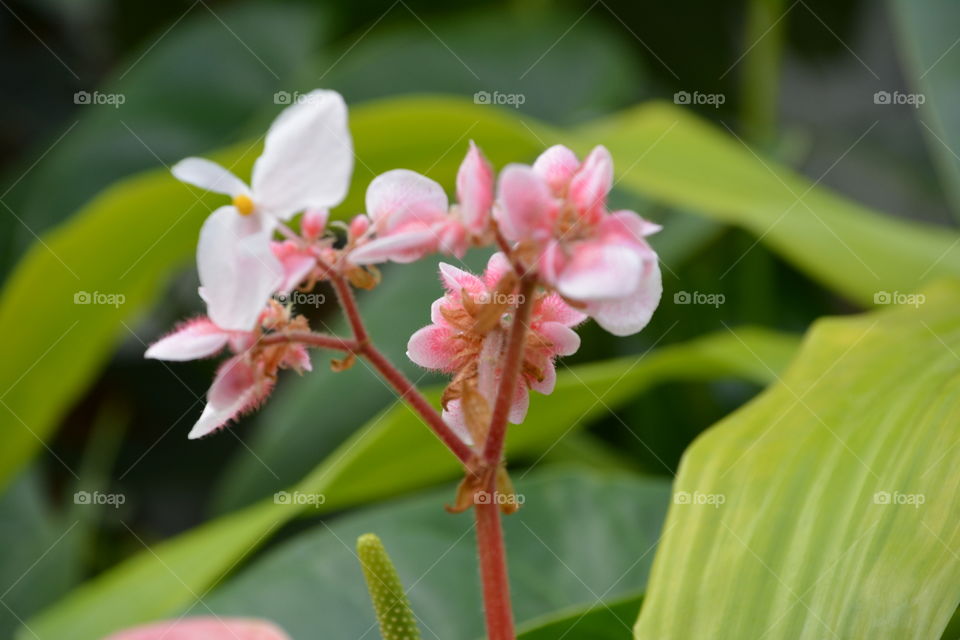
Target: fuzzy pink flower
[
  {"x": 412, "y": 218},
  {"x": 204, "y": 628},
  {"x": 469, "y": 336},
  {"x": 556, "y": 212},
  {"x": 243, "y": 381}
]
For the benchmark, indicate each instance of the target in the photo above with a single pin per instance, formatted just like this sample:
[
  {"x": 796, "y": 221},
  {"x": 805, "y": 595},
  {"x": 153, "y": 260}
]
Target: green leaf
[
  {"x": 313, "y": 582},
  {"x": 599, "y": 621},
  {"x": 669, "y": 154},
  {"x": 826, "y": 507},
  {"x": 165, "y": 577},
  {"x": 926, "y": 39}
]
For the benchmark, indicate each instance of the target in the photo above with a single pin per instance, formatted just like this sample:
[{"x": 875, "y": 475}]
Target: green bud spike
[{"x": 389, "y": 600}]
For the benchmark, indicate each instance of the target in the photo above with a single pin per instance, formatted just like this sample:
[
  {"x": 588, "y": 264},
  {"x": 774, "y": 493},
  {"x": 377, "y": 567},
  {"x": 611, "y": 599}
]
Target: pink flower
[
  {"x": 412, "y": 217},
  {"x": 556, "y": 212},
  {"x": 469, "y": 334},
  {"x": 204, "y": 628},
  {"x": 306, "y": 164},
  {"x": 243, "y": 381}
]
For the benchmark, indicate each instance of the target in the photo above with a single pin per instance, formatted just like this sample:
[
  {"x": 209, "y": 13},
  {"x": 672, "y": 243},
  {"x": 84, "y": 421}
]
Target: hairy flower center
[{"x": 244, "y": 204}]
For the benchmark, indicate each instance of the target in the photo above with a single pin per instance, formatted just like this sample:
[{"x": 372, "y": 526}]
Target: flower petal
[
  {"x": 454, "y": 279},
  {"x": 628, "y": 225},
  {"x": 556, "y": 166},
  {"x": 600, "y": 271},
  {"x": 205, "y": 628},
  {"x": 564, "y": 340},
  {"x": 307, "y": 157},
  {"x": 235, "y": 390},
  {"x": 552, "y": 308},
  {"x": 208, "y": 175},
  {"x": 453, "y": 416},
  {"x": 238, "y": 271},
  {"x": 497, "y": 266},
  {"x": 521, "y": 402},
  {"x": 403, "y": 247},
  {"x": 297, "y": 264},
  {"x": 401, "y": 196},
  {"x": 628, "y": 315},
  {"x": 434, "y": 347},
  {"x": 197, "y": 338},
  {"x": 475, "y": 190},
  {"x": 526, "y": 204},
  {"x": 590, "y": 185},
  {"x": 546, "y": 384}
]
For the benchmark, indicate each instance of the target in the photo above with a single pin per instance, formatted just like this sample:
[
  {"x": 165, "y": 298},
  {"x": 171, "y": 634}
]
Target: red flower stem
[
  {"x": 412, "y": 396},
  {"x": 311, "y": 339},
  {"x": 493, "y": 569},
  {"x": 493, "y": 449},
  {"x": 401, "y": 384}
]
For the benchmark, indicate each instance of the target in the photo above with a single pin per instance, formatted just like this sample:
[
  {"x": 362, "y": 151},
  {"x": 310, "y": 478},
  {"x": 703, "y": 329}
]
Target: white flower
[{"x": 306, "y": 163}]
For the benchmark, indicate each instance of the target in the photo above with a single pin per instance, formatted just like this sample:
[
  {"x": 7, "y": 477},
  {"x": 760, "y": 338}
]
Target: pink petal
[
  {"x": 297, "y": 264},
  {"x": 564, "y": 339},
  {"x": 296, "y": 357},
  {"x": 452, "y": 238},
  {"x": 521, "y": 402},
  {"x": 204, "y": 628},
  {"x": 197, "y": 338},
  {"x": 403, "y": 247},
  {"x": 314, "y": 223},
  {"x": 628, "y": 315},
  {"x": 236, "y": 389},
  {"x": 600, "y": 271},
  {"x": 475, "y": 190},
  {"x": 590, "y": 185},
  {"x": 497, "y": 266},
  {"x": 399, "y": 197},
  {"x": 552, "y": 308},
  {"x": 556, "y": 166},
  {"x": 455, "y": 279},
  {"x": 628, "y": 226},
  {"x": 526, "y": 205},
  {"x": 549, "y": 381},
  {"x": 434, "y": 347},
  {"x": 453, "y": 416}
]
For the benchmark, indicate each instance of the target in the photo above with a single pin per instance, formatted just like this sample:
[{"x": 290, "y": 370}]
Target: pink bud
[
  {"x": 314, "y": 222},
  {"x": 359, "y": 225}
]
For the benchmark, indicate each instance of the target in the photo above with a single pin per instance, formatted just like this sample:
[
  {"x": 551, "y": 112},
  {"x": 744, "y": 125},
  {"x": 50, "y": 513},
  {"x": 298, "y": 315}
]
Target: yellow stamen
[{"x": 244, "y": 204}]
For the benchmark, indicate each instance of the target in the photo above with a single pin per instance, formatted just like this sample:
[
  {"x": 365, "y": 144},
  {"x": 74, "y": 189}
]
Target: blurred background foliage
[{"x": 201, "y": 75}]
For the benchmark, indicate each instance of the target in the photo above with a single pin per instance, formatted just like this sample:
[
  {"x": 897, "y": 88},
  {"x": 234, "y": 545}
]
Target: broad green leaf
[
  {"x": 170, "y": 575},
  {"x": 926, "y": 36},
  {"x": 314, "y": 581},
  {"x": 669, "y": 154},
  {"x": 41, "y": 552},
  {"x": 599, "y": 621},
  {"x": 826, "y": 507}
]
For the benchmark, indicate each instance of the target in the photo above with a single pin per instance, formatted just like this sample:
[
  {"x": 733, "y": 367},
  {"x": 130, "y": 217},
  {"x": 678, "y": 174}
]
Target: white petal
[
  {"x": 196, "y": 339},
  {"x": 400, "y": 196},
  {"x": 629, "y": 315},
  {"x": 238, "y": 271},
  {"x": 403, "y": 247},
  {"x": 208, "y": 175},
  {"x": 307, "y": 157},
  {"x": 601, "y": 271}
]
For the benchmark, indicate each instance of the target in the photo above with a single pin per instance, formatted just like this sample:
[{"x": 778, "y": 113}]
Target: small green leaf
[{"x": 394, "y": 614}]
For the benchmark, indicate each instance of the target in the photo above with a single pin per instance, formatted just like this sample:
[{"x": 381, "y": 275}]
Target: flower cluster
[{"x": 550, "y": 222}]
